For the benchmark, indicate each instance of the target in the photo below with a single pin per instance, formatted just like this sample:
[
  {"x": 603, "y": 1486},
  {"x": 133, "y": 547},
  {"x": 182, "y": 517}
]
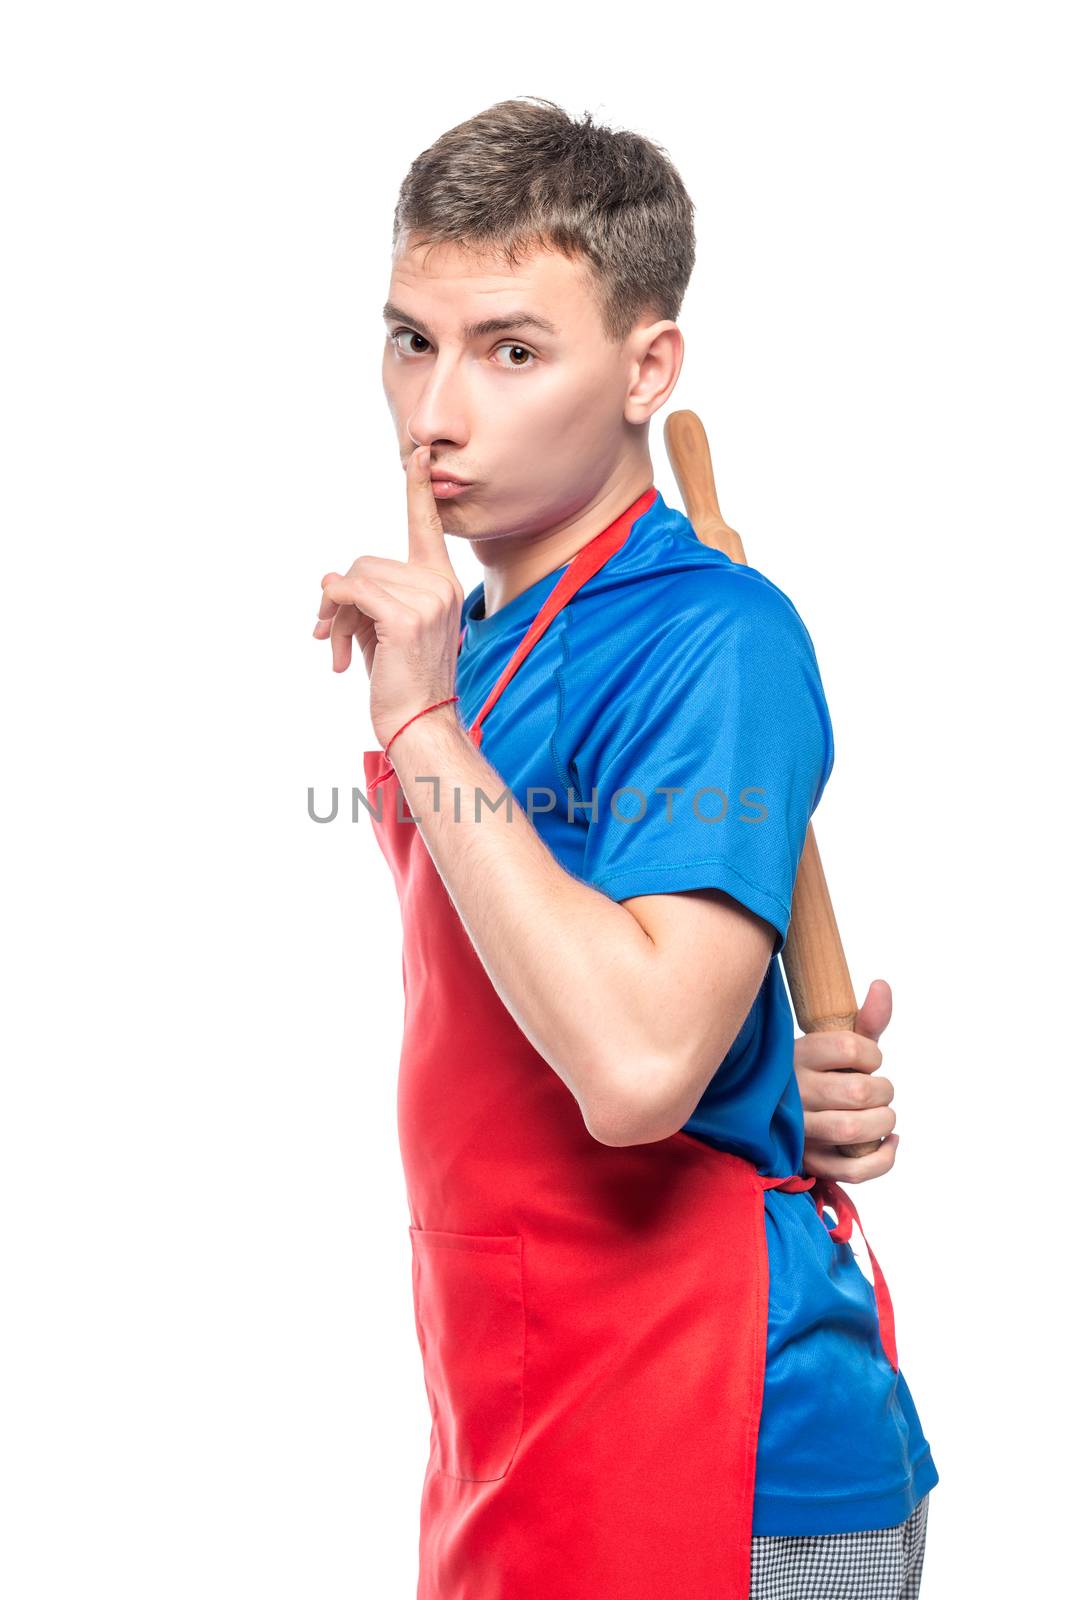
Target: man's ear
[{"x": 656, "y": 357}]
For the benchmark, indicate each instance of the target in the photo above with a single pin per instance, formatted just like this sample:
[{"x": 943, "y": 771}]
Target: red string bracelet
[{"x": 447, "y": 701}]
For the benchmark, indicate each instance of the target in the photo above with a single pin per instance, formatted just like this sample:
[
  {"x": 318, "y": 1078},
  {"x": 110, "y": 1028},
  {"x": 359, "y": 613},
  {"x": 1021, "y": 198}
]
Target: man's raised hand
[{"x": 404, "y": 615}]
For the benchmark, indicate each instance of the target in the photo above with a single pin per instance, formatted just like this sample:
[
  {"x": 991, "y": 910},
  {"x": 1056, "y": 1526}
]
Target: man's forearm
[{"x": 577, "y": 972}]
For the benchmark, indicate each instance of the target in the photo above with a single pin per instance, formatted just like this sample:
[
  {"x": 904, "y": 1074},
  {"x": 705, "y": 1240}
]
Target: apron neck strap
[{"x": 590, "y": 559}]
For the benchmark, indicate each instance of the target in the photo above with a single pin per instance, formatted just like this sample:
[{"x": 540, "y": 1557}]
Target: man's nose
[{"x": 440, "y": 411}]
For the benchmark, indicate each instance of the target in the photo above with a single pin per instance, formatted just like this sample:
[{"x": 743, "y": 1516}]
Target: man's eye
[
  {"x": 410, "y": 333},
  {"x": 420, "y": 344},
  {"x": 513, "y": 349}
]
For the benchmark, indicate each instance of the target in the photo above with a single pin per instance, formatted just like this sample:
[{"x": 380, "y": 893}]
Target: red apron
[{"x": 592, "y": 1320}]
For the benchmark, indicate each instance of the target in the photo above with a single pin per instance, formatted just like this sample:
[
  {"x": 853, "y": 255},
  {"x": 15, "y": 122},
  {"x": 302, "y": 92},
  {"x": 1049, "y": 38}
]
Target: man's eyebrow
[{"x": 477, "y": 330}]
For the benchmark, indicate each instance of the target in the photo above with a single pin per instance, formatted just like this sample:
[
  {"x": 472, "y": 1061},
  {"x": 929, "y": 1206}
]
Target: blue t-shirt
[{"x": 679, "y": 693}]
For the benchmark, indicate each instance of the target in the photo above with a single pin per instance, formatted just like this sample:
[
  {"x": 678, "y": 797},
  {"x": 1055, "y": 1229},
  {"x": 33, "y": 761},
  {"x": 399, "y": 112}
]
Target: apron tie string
[{"x": 825, "y": 1192}]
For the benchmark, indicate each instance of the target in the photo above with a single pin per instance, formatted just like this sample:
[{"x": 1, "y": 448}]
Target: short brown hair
[{"x": 524, "y": 174}]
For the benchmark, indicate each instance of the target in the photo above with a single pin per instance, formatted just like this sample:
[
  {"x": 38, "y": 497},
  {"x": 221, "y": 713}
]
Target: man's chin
[{"x": 460, "y": 520}]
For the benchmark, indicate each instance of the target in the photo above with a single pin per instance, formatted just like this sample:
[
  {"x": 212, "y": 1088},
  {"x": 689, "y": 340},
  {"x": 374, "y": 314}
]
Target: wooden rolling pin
[{"x": 815, "y": 963}]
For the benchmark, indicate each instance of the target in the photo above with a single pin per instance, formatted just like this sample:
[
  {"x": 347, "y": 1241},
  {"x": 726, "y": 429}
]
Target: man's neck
[{"x": 515, "y": 562}]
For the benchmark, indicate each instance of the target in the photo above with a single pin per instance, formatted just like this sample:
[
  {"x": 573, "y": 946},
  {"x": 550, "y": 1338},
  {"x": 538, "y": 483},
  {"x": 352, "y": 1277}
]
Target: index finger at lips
[{"x": 426, "y": 536}]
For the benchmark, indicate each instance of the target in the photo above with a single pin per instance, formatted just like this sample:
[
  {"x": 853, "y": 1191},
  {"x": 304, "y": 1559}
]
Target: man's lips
[{"x": 444, "y": 484}]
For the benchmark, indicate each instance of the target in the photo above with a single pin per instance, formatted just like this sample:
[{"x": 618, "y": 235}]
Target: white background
[{"x": 210, "y": 1378}]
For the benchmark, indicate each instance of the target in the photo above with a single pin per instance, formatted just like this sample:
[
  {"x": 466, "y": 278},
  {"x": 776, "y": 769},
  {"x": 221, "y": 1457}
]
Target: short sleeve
[{"x": 709, "y": 749}]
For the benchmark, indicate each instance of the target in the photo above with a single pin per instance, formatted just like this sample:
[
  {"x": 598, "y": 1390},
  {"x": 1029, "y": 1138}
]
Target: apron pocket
[{"x": 471, "y": 1320}]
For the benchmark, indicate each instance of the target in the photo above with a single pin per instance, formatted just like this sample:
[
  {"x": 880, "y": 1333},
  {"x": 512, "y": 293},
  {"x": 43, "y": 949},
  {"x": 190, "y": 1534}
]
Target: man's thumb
[{"x": 874, "y": 1014}]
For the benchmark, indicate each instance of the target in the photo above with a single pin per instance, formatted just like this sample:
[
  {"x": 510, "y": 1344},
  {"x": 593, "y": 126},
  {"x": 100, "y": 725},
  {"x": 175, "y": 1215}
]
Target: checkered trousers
[{"x": 878, "y": 1564}]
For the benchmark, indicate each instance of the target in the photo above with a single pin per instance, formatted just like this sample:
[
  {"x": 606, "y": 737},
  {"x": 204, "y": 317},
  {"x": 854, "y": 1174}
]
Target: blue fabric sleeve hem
[
  {"x": 710, "y": 874},
  {"x": 788, "y": 1514}
]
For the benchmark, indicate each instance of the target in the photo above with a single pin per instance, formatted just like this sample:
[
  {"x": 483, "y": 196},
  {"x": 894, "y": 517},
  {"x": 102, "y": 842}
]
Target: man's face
[{"x": 533, "y": 419}]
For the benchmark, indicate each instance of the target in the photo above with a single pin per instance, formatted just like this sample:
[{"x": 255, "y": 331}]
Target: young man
[{"x": 653, "y": 1367}]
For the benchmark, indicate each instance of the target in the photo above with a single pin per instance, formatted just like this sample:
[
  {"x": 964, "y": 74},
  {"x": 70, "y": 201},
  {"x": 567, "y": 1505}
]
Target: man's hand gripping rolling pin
[{"x": 845, "y": 1099}]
